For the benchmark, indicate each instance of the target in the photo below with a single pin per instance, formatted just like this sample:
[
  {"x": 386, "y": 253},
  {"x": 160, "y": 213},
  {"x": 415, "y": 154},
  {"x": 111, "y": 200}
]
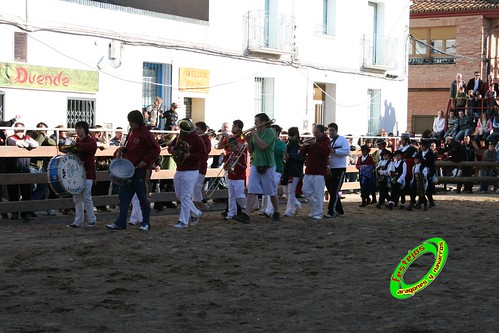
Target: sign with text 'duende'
[
  {"x": 194, "y": 79},
  {"x": 49, "y": 78}
]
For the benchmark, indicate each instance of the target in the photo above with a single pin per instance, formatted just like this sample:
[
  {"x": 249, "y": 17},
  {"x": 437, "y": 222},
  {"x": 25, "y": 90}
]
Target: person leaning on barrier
[{"x": 20, "y": 165}]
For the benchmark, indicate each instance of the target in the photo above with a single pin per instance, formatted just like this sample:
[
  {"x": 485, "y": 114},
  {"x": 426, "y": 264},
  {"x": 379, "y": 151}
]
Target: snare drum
[
  {"x": 121, "y": 171},
  {"x": 66, "y": 174}
]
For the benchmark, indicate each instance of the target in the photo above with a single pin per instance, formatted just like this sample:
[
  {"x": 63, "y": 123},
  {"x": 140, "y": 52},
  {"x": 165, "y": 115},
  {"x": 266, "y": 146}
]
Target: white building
[{"x": 300, "y": 61}]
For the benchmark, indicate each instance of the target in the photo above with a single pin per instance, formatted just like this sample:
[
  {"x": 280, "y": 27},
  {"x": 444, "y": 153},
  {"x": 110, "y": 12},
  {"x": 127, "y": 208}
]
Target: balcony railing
[
  {"x": 269, "y": 32},
  {"x": 324, "y": 30},
  {"x": 379, "y": 52}
]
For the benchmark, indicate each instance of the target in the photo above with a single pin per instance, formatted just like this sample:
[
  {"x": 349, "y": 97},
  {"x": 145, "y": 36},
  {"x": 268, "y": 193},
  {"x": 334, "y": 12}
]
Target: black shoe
[
  {"x": 267, "y": 215},
  {"x": 72, "y": 225},
  {"x": 224, "y": 213},
  {"x": 432, "y": 204},
  {"x": 276, "y": 217},
  {"x": 418, "y": 206},
  {"x": 378, "y": 205},
  {"x": 26, "y": 216},
  {"x": 243, "y": 217},
  {"x": 409, "y": 208}
]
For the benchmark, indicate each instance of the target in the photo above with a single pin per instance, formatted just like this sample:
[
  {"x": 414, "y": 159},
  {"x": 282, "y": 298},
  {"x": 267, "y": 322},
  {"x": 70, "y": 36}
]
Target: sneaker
[
  {"x": 72, "y": 225},
  {"x": 113, "y": 227},
  {"x": 91, "y": 224},
  {"x": 267, "y": 215},
  {"x": 181, "y": 225},
  {"x": 289, "y": 214},
  {"x": 145, "y": 227},
  {"x": 328, "y": 216},
  {"x": 26, "y": 216},
  {"x": 227, "y": 218},
  {"x": 194, "y": 221},
  {"x": 317, "y": 217},
  {"x": 276, "y": 217},
  {"x": 134, "y": 222},
  {"x": 243, "y": 217},
  {"x": 51, "y": 212}
]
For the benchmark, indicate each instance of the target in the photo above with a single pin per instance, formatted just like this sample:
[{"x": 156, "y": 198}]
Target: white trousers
[
  {"x": 197, "y": 195},
  {"x": 236, "y": 196},
  {"x": 83, "y": 201},
  {"x": 313, "y": 189},
  {"x": 184, "y": 182},
  {"x": 266, "y": 202},
  {"x": 292, "y": 204}
]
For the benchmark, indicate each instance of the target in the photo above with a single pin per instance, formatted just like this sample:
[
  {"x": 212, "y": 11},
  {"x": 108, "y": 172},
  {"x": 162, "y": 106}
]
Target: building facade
[
  {"x": 449, "y": 38},
  {"x": 301, "y": 62}
]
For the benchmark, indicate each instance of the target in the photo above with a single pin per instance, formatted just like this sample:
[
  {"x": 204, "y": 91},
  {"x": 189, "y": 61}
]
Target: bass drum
[
  {"x": 66, "y": 174},
  {"x": 121, "y": 171}
]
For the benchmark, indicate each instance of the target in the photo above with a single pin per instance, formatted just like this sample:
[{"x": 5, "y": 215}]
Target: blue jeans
[
  {"x": 126, "y": 193},
  {"x": 461, "y": 134}
]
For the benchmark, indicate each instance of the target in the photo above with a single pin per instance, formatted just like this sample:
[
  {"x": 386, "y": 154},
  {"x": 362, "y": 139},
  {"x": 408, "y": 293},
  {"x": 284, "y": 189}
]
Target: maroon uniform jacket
[
  {"x": 142, "y": 146},
  {"x": 204, "y": 162},
  {"x": 317, "y": 156},
  {"x": 197, "y": 153},
  {"x": 85, "y": 150}
]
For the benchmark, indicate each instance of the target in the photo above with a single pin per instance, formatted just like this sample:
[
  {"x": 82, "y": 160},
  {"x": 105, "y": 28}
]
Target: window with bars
[
  {"x": 156, "y": 81},
  {"x": 264, "y": 96},
  {"x": 80, "y": 109}
]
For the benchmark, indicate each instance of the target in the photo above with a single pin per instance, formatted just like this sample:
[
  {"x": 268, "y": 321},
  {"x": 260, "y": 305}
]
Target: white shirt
[
  {"x": 339, "y": 159},
  {"x": 438, "y": 124}
]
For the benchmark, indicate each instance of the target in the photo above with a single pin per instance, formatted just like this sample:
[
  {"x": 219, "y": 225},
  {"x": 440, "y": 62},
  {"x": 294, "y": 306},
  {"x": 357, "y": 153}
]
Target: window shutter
[{"x": 20, "y": 46}]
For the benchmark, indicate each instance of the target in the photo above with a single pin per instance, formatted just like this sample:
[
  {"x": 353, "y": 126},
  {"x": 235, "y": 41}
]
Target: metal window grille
[
  {"x": 264, "y": 96},
  {"x": 80, "y": 109},
  {"x": 157, "y": 81},
  {"x": 20, "y": 46},
  {"x": 2, "y": 114},
  {"x": 374, "y": 123}
]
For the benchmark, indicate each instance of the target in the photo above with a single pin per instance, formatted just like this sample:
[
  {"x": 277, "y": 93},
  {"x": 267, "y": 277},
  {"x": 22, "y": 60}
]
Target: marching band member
[
  {"x": 142, "y": 149},
  {"x": 365, "y": 165},
  {"x": 293, "y": 169},
  {"x": 317, "y": 152},
  {"x": 188, "y": 152},
  {"x": 235, "y": 165},
  {"x": 408, "y": 153},
  {"x": 398, "y": 173},
  {"x": 338, "y": 160},
  {"x": 261, "y": 142},
  {"x": 279, "y": 149},
  {"x": 197, "y": 195},
  {"x": 85, "y": 147}
]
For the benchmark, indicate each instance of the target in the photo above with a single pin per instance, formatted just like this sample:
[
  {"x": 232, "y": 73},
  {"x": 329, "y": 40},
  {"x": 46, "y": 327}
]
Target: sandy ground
[{"x": 298, "y": 275}]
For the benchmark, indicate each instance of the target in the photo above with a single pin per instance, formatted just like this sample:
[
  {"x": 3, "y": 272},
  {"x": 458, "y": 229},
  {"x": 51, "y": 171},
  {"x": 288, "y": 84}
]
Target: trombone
[
  {"x": 228, "y": 166},
  {"x": 243, "y": 133}
]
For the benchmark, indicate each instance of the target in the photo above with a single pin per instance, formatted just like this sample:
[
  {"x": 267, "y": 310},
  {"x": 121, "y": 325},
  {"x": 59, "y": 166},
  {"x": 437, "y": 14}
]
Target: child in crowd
[
  {"x": 398, "y": 172},
  {"x": 235, "y": 164},
  {"x": 418, "y": 184},
  {"x": 365, "y": 165},
  {"x": 383, "y": 170}
]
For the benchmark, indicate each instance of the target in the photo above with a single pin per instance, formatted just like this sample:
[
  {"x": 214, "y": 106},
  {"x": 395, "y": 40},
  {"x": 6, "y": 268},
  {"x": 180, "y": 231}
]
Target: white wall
[{"x": 332, "y": 60}]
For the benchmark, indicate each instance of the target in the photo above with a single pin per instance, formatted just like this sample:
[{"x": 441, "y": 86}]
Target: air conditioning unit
[{"x": 114, "y": 50}]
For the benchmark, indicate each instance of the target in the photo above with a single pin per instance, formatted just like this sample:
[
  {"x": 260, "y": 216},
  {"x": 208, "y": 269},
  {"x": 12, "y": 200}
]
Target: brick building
[{"x": 448, "y": 37}]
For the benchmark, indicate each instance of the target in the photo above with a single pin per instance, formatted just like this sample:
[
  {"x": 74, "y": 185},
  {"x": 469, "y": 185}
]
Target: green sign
[
  {"x": 50, "y": 78},
  {"x": 437, "y": 247}
]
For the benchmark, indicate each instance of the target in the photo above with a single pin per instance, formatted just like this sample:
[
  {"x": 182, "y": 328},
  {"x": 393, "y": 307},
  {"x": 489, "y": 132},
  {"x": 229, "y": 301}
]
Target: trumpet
[{"x": 271, "y": 121}]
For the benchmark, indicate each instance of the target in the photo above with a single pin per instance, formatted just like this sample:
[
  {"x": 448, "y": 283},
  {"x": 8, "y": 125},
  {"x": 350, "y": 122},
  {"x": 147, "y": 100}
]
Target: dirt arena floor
[{"x": 299, "y": 275}]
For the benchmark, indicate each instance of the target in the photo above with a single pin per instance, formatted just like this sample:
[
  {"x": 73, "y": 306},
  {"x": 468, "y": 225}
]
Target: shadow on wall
[{"x": 389, "y": 118}]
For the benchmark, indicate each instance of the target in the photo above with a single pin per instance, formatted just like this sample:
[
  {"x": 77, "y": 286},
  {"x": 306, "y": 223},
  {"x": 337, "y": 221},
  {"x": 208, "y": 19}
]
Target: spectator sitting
[
  {"x": 464, "y": 126},
  {"x": 439, "y": 126},
  {"x": 452, "y": 124}
]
